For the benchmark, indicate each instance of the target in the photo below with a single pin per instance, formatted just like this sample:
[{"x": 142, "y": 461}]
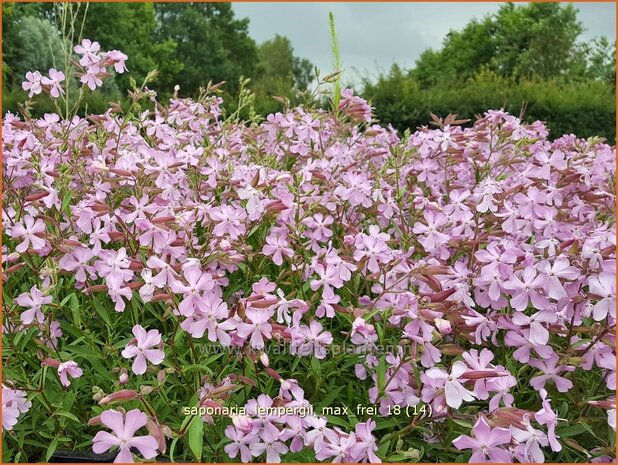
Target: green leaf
[
  {"x": 464, "y": 423},
  {"x": 315, "y": 366},
  {"x": 75, "y": 311},
  {"x": 337, "y": 421},
  {"x": 383, "y": 449},
  {"x": 66, "y": 201},
  {"x": 571, "y": 430},
  {"x": 196, "y": 437},
  {"x": 51, "y": 449},
  {"x": 381, "y": 373},
  {"x": 68, "y": 415},
  {"x": 102, "y": 311}
]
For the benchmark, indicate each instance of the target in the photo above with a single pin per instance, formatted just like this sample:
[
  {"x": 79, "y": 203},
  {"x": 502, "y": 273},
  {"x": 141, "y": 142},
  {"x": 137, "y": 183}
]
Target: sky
[{"x": 373, "y": 36}]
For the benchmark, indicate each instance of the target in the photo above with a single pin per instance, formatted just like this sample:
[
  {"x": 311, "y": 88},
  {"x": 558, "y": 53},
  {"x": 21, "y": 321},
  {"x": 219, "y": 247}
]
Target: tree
[
  {"x": 29, "y": 40},
  {"x": 537, "y": 40},
  {"x": 132, "y": 28},
  {"x": 279, "y": 74},
  {"x": 210, "y": 42}
]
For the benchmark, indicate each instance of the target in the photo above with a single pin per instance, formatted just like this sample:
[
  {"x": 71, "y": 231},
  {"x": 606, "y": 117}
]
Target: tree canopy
[
  {"x": 527, "y": 59},
  {"x": 531, "y": 41},
  {"x": 189, "y": 44}
]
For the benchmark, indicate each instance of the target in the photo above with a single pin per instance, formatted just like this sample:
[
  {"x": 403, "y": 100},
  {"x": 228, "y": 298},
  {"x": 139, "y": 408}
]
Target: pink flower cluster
[
  {"x": 14, "y": 404},
  {"x": 487, "y": 254},
  {"x": 93, "y": 64},
  {"x": 266, "y": 429}
]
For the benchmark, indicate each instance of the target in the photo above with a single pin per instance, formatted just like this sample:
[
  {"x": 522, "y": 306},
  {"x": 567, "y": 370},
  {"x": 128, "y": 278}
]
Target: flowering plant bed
[{"x": 184, "y": 285}]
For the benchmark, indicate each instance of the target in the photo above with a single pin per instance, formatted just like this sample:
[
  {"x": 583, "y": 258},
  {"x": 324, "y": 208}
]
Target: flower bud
[
  {"x": 443, "y": 326},
  {"x": 443, "y": 295},
  {"x": 155, "y": 431},
  {"x": 145, "y": 390},
  {"x": 50, "y": 362},
  {"x": 243, "y": 423},
  {"x": 119, "y": 396},
  {"x": 451, "y": 349},
  {"x": 94, "y": 421}
]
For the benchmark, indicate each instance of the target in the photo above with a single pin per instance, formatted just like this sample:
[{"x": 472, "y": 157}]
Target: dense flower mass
[{"x": 458, "y": 281}]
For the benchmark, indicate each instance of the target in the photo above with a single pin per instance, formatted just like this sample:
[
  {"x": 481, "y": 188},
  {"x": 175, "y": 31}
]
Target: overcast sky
[{"x": 373, "y": 36}]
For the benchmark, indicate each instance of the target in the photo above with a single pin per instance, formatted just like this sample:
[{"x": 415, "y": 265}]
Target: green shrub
[{"x": 583, "y": 108}]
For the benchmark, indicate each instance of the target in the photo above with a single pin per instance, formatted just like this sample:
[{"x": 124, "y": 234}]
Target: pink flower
[
  {"x": 77, "y": 261},
  {"x": 141, "y": 349},
  {"x": 336, "y": 444},
  {"x": 53, "y": 82},
  {"x": 258, "y": 328},
  {"x": 365, "y": 448},
  {"x": 559, "y": 269},
  {"x": 29, "y": 228},
  {"x": 454, "y": 392},
  {"x": 373, "y": 247},
  {"x": 91, "y": 77},
  {"x": 546, "y": 416},
  {"x": 230, "y": 221},
  {"x": 14, "y": 404},
  {"x": 432, "y": 238},
  {"x": 539, "y": 334},
  {"x": 124, "y": 427},
  {"x": 603, "y": 286},
  {"x": 211, "y": 315},
  {"x": 319, "y": 226},
  {"x": 67, "y": 369},
  {"x": 525, "y": 288},
  {"x": 495, "y": 260},
  {"x": 167, "y": 276},
  {"x": 328, "y": 276},
  {"x": 198, "y": 282},
  {"x": 355, "y": 106},
  {"x": 551, "y": 371},
  {"x": 33, "y": 83},
  {"x": 241, "y": 442},
  {"x": 486, "y": 443},
  {"x": 118, "y": 59},
  {"x": 90, "y": 52},
  {"x": 34, "y": 301},
  {"x": 114, "y": 267},
  {"x": 363, "y": 333},
  {"x": 310, "y": 340},
  {"x": 529, "y": 442},
  {"x": 271, "y": 445},
  {"x": 277, "y": 246}
]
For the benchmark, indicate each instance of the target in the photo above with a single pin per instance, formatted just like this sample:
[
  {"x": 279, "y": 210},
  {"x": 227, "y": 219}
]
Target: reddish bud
[
  {"x": 94, "y": 421},
  {"x": 50, "y": 362},
  {"x": 481, "y": 374},
  {"x": 95, "y": 288},
  {"x": 35, "y": 197},
  {"x": 160, "y": 297},
  {"x": 119, "y": 396},
  {"x": 163, "y": 220},
  {"x": 442, "y": 295},
  {"x": 119, "y": 172}
]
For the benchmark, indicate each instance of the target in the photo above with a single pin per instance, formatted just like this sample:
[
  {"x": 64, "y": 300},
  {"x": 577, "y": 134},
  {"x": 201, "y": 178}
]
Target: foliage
[
  {"x": 281, "y": 74},
  {"x": 447, "y": 295},
  {"x": 212, "y": 45},
  {"x": 522, "y": 42},
  {"x": 189, "y": 44},
  {"x": 586, "y": 108}
]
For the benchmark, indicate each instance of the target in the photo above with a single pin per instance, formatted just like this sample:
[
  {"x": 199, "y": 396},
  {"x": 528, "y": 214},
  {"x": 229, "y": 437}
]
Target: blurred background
[{"x": 548, "y": 61}]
